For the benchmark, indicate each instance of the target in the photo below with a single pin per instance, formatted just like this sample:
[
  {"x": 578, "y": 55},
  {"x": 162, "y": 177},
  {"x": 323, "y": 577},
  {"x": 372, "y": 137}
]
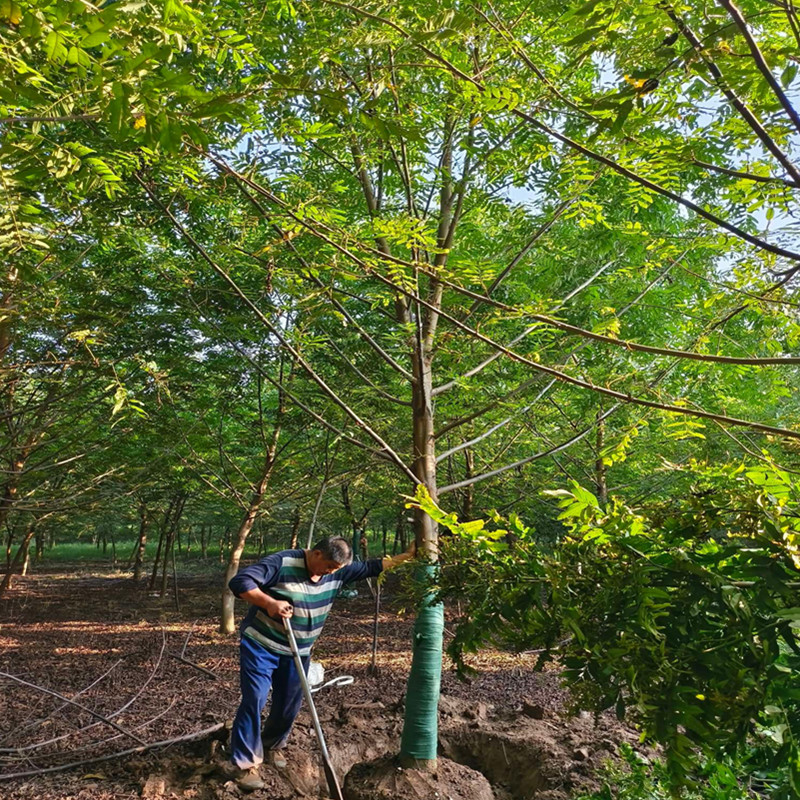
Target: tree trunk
[
  {"x": 26, "y": 560},
  {"x": 9, "y": 542},
  {"x": 419, "y": 743},
  {"x": 144, "y": 520},
  {"x": 600, "y": 467},
  {"x": 398, "y": 532},
  {"x": 12, "y": 567},
  {"x": 227, "y": 620},
  {"x": 226, "y": 624},
  {"x": 295, "y": 529},
  {"x": 203, "y": 542},
  {"x": 154, "y": 574},
  {"x": 169, "y": 541},
  {"x": 469, "y": 493},
  {"x": 384, "y": 531}
]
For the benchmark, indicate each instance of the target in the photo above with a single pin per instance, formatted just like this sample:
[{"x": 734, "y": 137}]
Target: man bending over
[{"x": 300, "y": 584}]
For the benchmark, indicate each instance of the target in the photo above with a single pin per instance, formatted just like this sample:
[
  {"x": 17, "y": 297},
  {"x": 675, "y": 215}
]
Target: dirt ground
[{"x": 112, "y": 647}]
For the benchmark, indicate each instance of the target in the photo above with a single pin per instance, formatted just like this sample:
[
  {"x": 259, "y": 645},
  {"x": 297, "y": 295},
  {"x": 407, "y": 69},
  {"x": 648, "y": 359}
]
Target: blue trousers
[{"x": 260, "y": 669}]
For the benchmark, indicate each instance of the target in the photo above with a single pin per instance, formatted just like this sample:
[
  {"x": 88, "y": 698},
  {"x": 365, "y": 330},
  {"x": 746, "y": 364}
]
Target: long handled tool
[{"x": 330, "y": 776}]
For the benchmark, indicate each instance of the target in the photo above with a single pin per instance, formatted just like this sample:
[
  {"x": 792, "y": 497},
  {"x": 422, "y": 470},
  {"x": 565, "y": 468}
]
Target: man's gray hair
[{"x": 335, "y": 548}]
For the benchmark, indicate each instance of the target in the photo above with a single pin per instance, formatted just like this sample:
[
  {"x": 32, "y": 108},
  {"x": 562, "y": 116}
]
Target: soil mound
[{"x": 385, "y": 779}]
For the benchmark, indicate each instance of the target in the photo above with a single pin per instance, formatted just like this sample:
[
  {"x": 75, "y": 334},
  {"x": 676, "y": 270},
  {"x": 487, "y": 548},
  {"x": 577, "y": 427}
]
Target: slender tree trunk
[
  {"x": 141, "y": 547},
  {"x": 227, "y": 624},
  {"x": 169, "y": 541},
  {"x": 154, "y": 574},
  {"x": 175, "y": 581},
  {"x": 9, "y": 542},
  {"x": 14, "y": 565},
  {"x": 469, "y": 493},
  {"x": 26, "y": 559},
  {"x": 295, "y": 529},
  {"x": 203, "y": 542},
  {"x": 384, "y": 531},
  {"x": 398, "y": 532},
  {"x": 227, "y": 621},
  {"x": 600, "y": 467}
]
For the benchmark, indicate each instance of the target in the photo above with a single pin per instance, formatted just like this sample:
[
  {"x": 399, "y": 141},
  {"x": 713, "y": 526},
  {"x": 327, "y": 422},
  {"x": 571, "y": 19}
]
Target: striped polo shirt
[{"x": 284, "y": 576}]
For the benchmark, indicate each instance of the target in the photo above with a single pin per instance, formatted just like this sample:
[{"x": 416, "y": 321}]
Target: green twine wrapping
[{"x": 421, "y": 724}]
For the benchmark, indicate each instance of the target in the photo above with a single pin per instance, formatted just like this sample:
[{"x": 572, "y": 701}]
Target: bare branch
[{"x": 495, "y": 428}]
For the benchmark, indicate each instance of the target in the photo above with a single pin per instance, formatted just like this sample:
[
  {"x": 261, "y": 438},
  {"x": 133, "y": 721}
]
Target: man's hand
[
  {"x": 281, "y": 609},
  {"x": 389, "y": 563},
  {"x": 277, "y": 609}
]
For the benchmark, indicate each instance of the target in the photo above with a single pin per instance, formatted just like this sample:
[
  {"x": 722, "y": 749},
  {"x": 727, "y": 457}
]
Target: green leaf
[
  {"x": 624, "y": 110},
  {"x": 789, "y": 74},
  {"x": 94, "y": 39},
  {"x": 585, "y": 36},
  {"x": 55, "y": 48}
]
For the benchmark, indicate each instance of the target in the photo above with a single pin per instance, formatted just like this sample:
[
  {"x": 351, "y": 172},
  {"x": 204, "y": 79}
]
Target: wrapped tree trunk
[{"x": 419, "y": 743}]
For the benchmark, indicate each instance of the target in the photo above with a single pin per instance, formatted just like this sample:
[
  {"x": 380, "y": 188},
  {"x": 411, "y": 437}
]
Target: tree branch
[
  {"x": 761, "y": 63},
  {"x": 279, "y": 335}
]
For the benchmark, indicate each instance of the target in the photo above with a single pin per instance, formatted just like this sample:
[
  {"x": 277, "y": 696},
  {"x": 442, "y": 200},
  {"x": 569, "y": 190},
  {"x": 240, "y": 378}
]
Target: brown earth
[{"x": 112, "y": 647}]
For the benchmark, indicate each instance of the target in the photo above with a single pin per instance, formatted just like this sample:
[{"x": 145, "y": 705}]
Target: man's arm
[
  {"x": 373, "y": 567},
  {"x": 249, "y": 584},
  {"x": 275, "y": 608},
  {"x": 393, "y": 561}
]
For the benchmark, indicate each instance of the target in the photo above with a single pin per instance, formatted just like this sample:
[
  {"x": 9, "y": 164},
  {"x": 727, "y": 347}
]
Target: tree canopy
[{"x": 282, "y": 264}]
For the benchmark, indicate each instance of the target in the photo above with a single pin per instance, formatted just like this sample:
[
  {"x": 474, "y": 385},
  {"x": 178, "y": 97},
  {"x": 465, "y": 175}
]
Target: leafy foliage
[{"x": 684, "y": 617}]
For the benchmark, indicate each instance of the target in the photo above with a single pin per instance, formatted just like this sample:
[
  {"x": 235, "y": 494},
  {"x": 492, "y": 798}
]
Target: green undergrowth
[
  {"x": 636, "y": 778},
  {"x": 86, "y": 553}
]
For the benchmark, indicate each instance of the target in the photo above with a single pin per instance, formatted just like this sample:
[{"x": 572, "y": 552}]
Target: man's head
[{"x": 328, "y": 555}]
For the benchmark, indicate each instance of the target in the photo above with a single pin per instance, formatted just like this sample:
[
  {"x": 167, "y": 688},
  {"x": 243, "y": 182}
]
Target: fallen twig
[
  {"x": 188, "y": 636},
  {"x": 38, "y": 722},
  {"x": 109, "y": 756},
  {"x": 106, "y": 720},
  {"x": 196, "y": 666},
  {"x": 110, "y": 739},
  {"x": 110, "y": 716}
]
